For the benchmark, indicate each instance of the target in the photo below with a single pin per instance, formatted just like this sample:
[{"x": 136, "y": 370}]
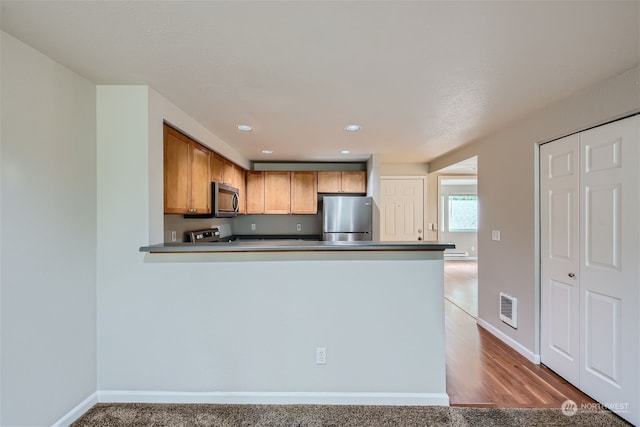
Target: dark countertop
[
  {"x": 260, "y": 237},
  {"x": 285, "y": 245}
]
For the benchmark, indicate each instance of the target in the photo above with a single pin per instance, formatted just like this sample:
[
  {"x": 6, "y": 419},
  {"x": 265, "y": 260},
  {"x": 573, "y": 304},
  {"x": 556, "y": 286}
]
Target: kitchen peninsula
[{"x": 373, "y": 309}]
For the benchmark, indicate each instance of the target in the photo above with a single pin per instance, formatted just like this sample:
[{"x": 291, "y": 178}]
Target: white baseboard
[
  {"x": 531, "y": 356},
  {"x": 78, "y": 411},
  {"x": 275, "y": 398}
]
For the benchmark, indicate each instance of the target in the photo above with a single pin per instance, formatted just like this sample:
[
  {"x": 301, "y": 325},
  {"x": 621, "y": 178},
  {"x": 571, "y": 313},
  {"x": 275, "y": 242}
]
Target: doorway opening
[{"x": 458, "y": 224}]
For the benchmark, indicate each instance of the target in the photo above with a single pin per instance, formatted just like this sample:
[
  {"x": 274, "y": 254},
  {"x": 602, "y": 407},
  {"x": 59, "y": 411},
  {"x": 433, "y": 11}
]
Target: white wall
[
  {"x": 507, "y": 191},
  {"x": 48, "y": 240},
  {"x": 230, "y": 326}
]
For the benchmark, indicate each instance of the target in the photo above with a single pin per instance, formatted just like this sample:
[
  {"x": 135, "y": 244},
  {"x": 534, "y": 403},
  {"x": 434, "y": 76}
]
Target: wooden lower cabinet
[
  {"x": 304, "y": 192},
  {"x": 277, "y": 192}
]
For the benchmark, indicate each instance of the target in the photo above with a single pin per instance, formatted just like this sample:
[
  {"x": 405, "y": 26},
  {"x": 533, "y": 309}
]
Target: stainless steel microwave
[{"x": 225, "y": 202}]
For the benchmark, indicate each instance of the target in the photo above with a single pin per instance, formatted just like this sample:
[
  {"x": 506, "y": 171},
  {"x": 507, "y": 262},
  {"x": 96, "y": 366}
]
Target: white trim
[
  {"x": 531, "y": 356},
  {"x": 78, "y": 411},
  {"x": 274, "y": 398}
]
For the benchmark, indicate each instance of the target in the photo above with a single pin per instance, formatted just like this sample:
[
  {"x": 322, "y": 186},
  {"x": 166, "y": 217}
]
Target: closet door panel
[
  {"x": 609, "y": 273},
  {"x": 559, "y": 243}
]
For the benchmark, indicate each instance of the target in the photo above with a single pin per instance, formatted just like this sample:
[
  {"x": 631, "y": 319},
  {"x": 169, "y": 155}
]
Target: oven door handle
[{"x": 235, "y": 204}]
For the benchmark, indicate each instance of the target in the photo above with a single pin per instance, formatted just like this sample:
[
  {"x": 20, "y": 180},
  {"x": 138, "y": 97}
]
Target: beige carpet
[{"x": 161, "y": 415}]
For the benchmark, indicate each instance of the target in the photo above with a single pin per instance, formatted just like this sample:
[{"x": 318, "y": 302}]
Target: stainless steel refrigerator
[{"x": 346, "y": 218}]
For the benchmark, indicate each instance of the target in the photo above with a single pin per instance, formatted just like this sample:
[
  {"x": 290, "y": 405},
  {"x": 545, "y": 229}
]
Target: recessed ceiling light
[
  {"x": 244, "y": 128},
  {"x": 267, "y": 151},
  {"x": 352, "y": 128},
  {"x": 345, "y": 152}
]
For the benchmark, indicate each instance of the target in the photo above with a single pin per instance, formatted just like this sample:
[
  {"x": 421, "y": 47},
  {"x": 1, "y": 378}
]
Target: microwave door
[{"x": 226, "y": 200}]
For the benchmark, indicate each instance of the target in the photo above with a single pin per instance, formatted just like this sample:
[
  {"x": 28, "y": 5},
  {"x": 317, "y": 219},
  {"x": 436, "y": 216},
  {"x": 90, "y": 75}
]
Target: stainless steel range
[
  {"x": 203, "y": 236},
  {"x": 221, "y": 233}
]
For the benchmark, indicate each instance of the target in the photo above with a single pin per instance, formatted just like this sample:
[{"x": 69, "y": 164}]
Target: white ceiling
[{"x": 420, "y": 77}]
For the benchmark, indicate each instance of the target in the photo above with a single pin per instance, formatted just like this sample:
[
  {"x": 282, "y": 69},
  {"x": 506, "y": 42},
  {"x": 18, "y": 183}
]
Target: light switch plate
[{"x": 495, "y": 235}]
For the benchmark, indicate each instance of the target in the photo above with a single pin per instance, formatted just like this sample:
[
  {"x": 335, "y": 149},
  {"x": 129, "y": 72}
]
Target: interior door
[
  {"x": 610, "y": 256},
  {"x": 559, "y": 243},
  {"x": 401, "y": 216}
]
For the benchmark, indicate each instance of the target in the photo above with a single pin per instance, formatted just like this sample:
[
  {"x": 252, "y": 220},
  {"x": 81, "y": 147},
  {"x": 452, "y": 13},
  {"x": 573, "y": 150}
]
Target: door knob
[{"x": 572, "y": 275}]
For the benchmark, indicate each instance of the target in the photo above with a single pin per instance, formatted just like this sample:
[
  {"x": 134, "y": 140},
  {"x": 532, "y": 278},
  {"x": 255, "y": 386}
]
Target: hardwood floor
[
  {"x": 483, "y": 371},
  {"x": 461, "y": 284}
]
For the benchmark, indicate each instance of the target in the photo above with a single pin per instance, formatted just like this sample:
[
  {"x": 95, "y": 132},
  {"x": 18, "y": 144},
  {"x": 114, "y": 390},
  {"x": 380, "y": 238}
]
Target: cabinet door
[
  {"x": 255, "y": 192},
  {"x": 240, "y": 183},
  {"x": 176, "y": 172},
  {"x": 354, "y": 182},
  {"x": 217, "y": 168},
  {"x": 199, "y": 176},
  {"x": 329, "y": 181},
  {"x": 229, "y": 173},
  {"x": 304, "y": 192},
  {"x": 277, "y": 192}
]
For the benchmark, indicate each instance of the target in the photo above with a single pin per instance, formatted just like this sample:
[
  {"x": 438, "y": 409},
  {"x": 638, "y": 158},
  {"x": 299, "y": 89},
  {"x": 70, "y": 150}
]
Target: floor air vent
[{"x": 509, "y": 310}]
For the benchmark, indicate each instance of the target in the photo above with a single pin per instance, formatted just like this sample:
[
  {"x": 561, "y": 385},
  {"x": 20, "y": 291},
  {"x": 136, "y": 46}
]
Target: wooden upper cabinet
[
  {"x": 200, "y": 177},
  {"x": 304, "y": 192},
  {"x": 255, "y": 192},
  {"x": 240, "y": 184},
  {"x": 354, "y": 182},
  {"x": 187, "y": 186},
  {"x": 277, "y": 192},
  {"x": 176, "y": 172},
  {"x": 217, "y": 168},
  {"x": 329, "y": 181},
  {"x": 342, "y": 182},
  {"x": 229, "y": 173}
]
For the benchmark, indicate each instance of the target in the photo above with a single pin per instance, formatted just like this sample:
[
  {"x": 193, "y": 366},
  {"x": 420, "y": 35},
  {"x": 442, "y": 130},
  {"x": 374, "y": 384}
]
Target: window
[{"x": 463, "y": 212}]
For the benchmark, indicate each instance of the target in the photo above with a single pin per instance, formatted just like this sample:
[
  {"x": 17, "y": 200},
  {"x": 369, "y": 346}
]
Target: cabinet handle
[
  {"x": 572, "y": 275},
  {"x": 419, "y": 238}
]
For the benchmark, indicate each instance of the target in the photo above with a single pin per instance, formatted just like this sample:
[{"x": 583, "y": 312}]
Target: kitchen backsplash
[
  {"x": 182, "y": 225},
  {"x": 264, "y": 225},
  {"x": 277, "y": 224}
]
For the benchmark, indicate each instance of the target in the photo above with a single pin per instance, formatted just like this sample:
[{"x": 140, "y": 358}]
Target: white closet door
[
  {"x": 559, "y": 204},
  {"x": 610, "y": 255}
]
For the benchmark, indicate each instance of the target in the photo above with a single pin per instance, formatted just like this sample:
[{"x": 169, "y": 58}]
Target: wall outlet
[
  {"x": 173, "y": 236},
  {"x": 495, "y": 235},
  {"x": 321, "y": 356},
  {"x": 299, "y": 227},
  {"x": 253, "y": 227}
]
